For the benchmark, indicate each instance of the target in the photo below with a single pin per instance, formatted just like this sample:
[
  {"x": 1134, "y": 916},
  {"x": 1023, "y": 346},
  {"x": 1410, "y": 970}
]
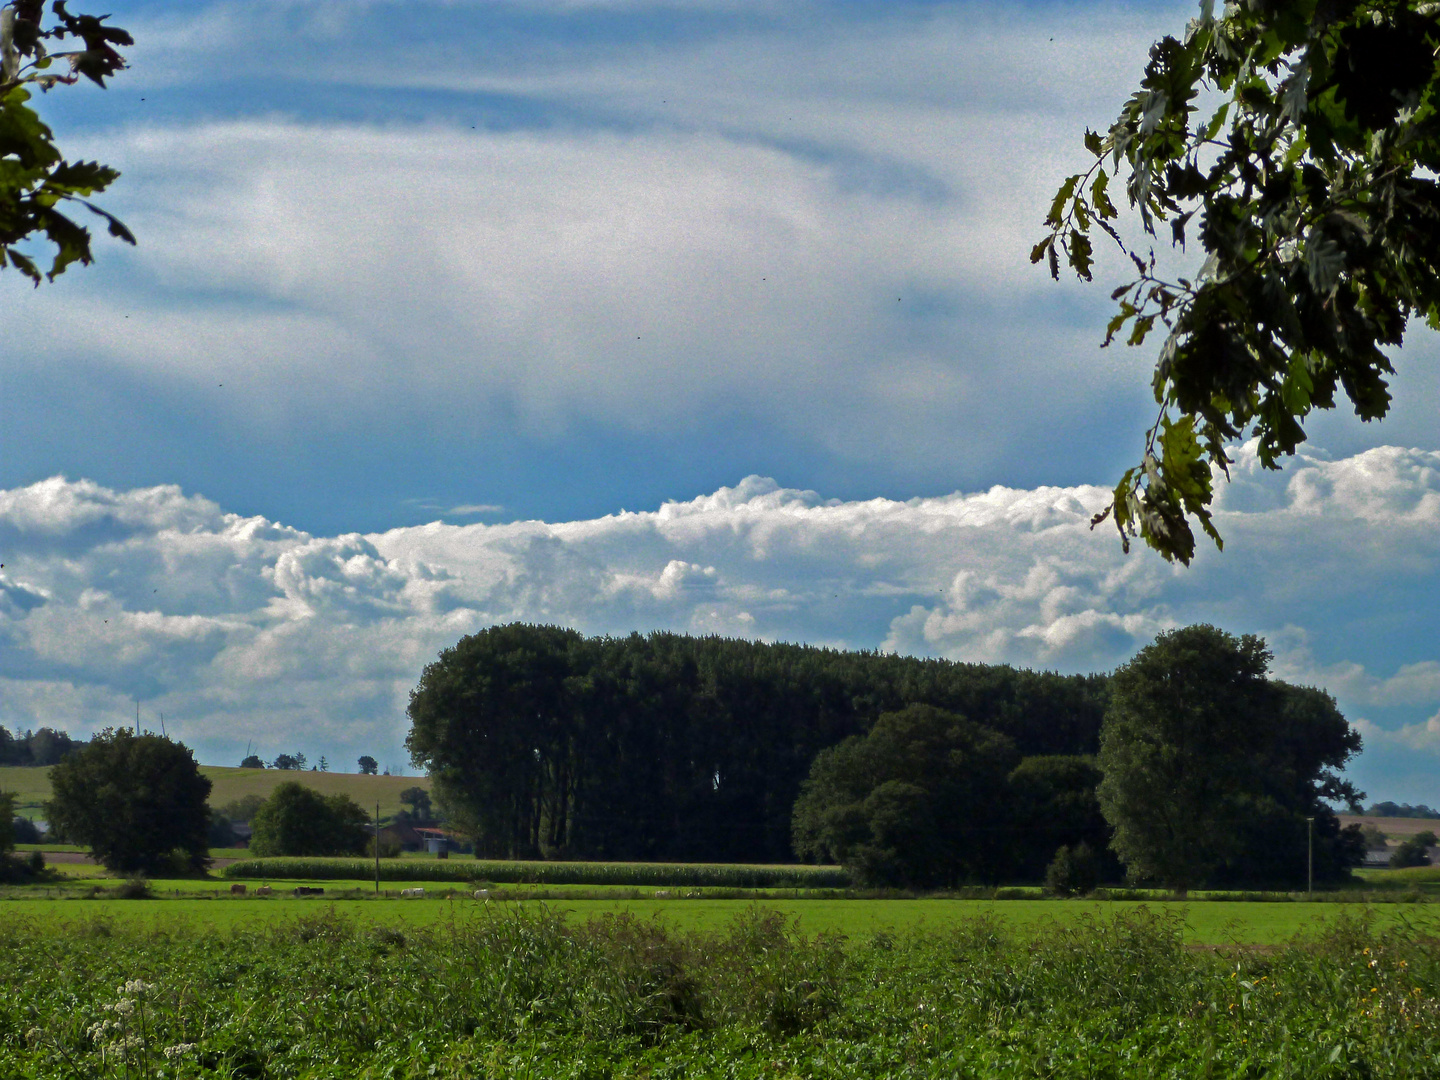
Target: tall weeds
[{"x": 504, "y": 992}]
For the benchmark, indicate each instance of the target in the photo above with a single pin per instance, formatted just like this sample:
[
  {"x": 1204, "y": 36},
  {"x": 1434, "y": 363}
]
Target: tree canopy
[
  {"x": 36, "y": 179},
  {"x": 45, "y": 746},
  {"x": 7, "y": 822},
  {"x": 542, "y": 742},
  {"x": 137, "y": 801},
  {"x": 1210, "y": 769},
  {"x": 1312, "y": 191},
  {"x": 295, "y": 820},
  {"x": 920, "y": 800}
]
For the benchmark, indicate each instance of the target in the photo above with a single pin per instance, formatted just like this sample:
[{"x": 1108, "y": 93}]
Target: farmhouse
[{"x": 440, "y": 841}]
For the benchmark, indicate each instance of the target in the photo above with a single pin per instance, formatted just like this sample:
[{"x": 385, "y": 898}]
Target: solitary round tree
[
  {"x": 1211, "y": 770},
  {"x": 297, "y": 820},
  {"x": 137, "y": 801},
  {"x": 916, "y": 802}
]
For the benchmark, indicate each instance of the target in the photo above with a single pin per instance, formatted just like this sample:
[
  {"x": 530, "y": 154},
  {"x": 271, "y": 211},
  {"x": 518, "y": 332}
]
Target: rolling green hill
[{"x": 33, "y": 786}]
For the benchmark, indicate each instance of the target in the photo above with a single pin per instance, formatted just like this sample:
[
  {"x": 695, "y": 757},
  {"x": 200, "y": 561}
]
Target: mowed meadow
[{"x": 507, "y": 990}]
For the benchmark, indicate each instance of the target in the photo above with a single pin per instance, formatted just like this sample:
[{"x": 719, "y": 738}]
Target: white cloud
[
  {"x": 241, "y": 629},
  {"x": 1423, "y": 737}
]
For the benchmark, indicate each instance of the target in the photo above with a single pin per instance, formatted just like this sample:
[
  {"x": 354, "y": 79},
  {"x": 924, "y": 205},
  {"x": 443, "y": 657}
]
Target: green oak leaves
[
  {"x": 35, "y": 178},
  {"x": 1308, "y": 178}
]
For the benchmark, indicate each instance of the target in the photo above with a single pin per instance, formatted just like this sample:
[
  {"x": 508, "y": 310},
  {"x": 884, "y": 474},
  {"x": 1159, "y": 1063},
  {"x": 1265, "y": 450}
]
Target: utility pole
[
  {"x": 162, "y": 727},
  {"x": 137, "y": 718},
  {"x": 1310, "y": 857},
  {"x": 377, "y": 849}
]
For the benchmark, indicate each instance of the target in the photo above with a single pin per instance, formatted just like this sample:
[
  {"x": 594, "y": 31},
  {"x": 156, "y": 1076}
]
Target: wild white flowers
[
  {"x": 124, "y": 1031},
  {"x": 172, "y": 1052}
]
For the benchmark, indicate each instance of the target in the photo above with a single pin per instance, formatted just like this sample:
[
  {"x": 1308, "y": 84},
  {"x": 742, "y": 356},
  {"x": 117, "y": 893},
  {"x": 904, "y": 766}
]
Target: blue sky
[{"x": 495, "y": 263}]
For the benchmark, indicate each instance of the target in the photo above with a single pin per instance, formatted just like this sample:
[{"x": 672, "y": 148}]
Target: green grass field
[{"x": 33, "y": 786}]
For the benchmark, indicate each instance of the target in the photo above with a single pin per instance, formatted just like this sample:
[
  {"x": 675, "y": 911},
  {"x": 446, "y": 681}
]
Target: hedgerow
[{"x": 504, "y": 872}]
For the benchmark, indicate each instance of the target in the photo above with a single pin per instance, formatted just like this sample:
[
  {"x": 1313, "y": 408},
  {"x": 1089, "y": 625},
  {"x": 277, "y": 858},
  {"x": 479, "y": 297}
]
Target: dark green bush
[{"x": 1075, "y": 871}]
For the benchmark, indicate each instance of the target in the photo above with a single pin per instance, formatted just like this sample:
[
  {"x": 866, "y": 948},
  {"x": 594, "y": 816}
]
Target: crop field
[
  {"x": 510, "y": 991},
  {"x": 1397, "y": 828},
  {"x": 1423, "y": 879},
  {"x": 229, "y": 784},
  {"x": 730, "y": 875}
]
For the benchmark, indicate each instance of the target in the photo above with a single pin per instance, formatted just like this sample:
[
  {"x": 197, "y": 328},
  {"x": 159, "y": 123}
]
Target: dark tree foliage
[
  {"x": 1312, "y": 190},
  {"x": 289, "y": 762},
  {"x": 15, "y": 869},
  {"x": 1210, "y": 769},
  {"x": 244, "y": 808},
  {"x": 1053, "y": 803},
  {"x": 221, "y": 833},
  {"x": 918, "y": 801},
  {"x": 296, "y": 820},
  {"x": 1074, "y": 871},
  {"x": 368, "y": 765},
  {"x": 137, "y": 801},
  {"x": 252, "y": 761},
  {"x": 542, "y": 742},
  {"x": 418, "y": 799},
  {"x": 1413, "y": 851},
  {"x": 43, "y": 747},
  {"x": 35, "y": 179},
  {"x": 8, "y": 839},
  {"x": 25, "y": 831}
]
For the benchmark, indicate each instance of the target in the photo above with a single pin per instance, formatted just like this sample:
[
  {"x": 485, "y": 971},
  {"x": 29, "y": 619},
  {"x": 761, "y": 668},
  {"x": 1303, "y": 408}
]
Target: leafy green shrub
[
  {"x": 134, "y": 887},
  {"x": 1074, "y": 871},
  {"x": 1414, "y": 851},
  {"x": 25, "y": 831},
  {"x": 390, "y": 848}
]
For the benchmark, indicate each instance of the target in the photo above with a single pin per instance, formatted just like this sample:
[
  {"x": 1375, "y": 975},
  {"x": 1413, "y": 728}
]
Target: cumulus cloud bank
[{"x": 239, "y": 628}]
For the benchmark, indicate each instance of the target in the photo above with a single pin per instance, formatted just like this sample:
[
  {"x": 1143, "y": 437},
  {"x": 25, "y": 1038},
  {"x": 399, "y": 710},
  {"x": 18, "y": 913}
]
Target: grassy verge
[{"x": 503, "y": 992}]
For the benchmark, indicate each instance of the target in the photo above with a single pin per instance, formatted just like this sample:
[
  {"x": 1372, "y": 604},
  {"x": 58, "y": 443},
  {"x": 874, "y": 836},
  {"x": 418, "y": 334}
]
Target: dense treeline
[
  {"x": 543, "y": 742},
  {"x": 44, "y": 747},
  {"x": 1390, "y": 809}
]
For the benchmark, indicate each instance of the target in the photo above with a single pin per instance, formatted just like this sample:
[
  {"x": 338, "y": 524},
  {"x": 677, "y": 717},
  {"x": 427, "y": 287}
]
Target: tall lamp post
[{"x": 1310, "y": 856}]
